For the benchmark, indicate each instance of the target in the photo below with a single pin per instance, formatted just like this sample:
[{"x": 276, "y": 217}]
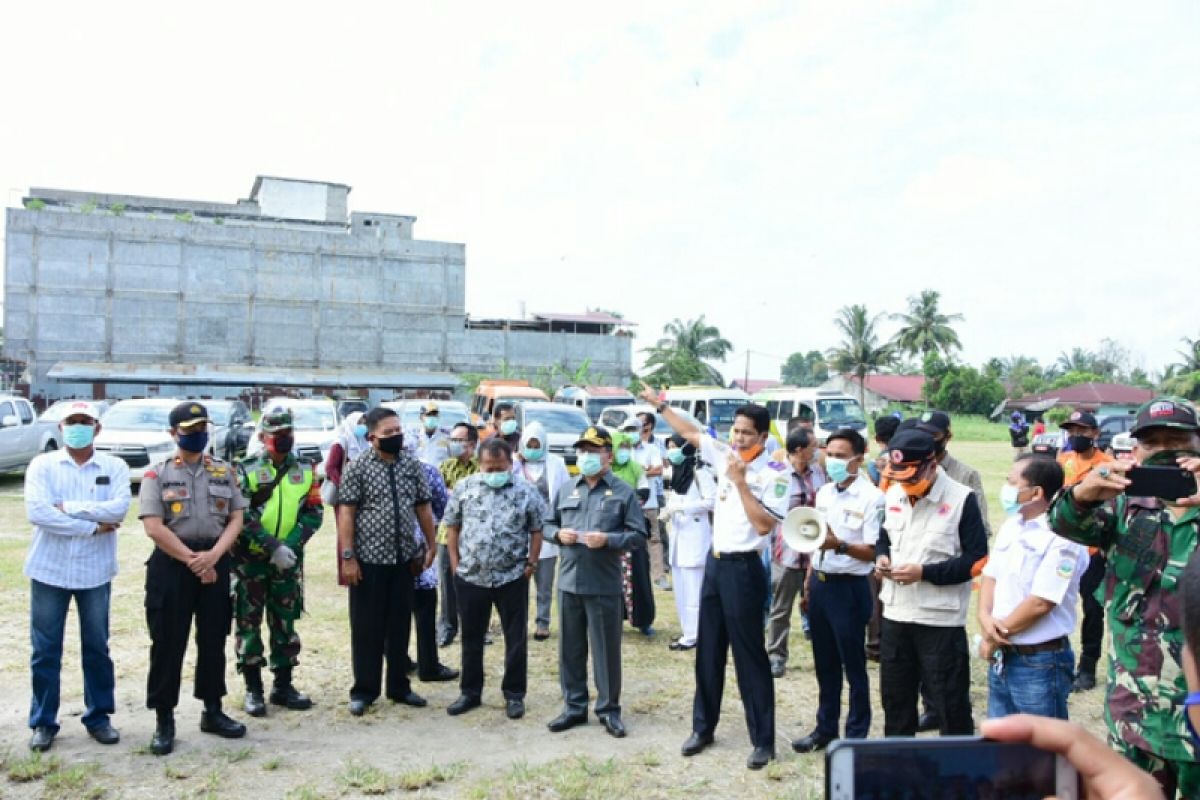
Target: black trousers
[
  {"x": 839, "y": 609},
  {"x": 639, "y": 604},
  {"x": 475, "y": 612},
  {"x": 447, "y": 621},
  {"x": 1091, "y": 632},
  {"x": 173, "y": 597},
  {"x": 935, "y": 658},
  {"x": 380, "y": 618},
  {"x": 731, "y": 616},
  {"x": 425, "y": 621}
]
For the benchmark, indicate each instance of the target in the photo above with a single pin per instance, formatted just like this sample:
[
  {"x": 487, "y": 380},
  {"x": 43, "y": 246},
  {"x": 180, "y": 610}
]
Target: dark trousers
[
  {"x": 173, "y": 597},
  {"x": 1091, "y": 632},
  {"x": 590, "y": 620},
  {"x": 873, "y": 627},
  {"x": 48, "y": 607},
  {"x": 475, "y": 609},
  {"x": 639, "y": 591},
  {"x": 447, "y": 621},
  {"x": 839, "y": 609},
  {"x": 380, "y": 618},
  {"x": 913, "y": 655},
  {"x": 425, "y": 622},
  {"x": 731, "y": 603}
]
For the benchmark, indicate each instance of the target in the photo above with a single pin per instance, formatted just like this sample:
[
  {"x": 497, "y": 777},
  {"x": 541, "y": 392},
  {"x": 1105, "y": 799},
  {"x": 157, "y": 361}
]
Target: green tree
[
  {"x": 1075, "y": 377},
  {"x": 805, "y": 369},
  {"x": 925, "y": 328},
  {"x": 962, "y": 389},
  {"x": 1022, "y": 374},
  {"x": 1189, "y": 355},
  {"x": 860, "y": 352},
  {"x": 682, "y": 354},
  {"x": 1078, "y": 360}
]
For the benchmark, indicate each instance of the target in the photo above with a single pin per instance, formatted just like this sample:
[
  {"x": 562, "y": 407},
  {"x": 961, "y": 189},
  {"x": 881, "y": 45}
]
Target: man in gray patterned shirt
[{"x": 493, "y": 535}]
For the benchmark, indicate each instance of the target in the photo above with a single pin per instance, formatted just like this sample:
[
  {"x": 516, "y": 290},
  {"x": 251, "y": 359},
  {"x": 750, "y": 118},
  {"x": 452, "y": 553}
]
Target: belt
[
  {"x": 826, "y": 577},
  {"x": 1052, "y": 646},
  {"x": 739, "y": 555}
]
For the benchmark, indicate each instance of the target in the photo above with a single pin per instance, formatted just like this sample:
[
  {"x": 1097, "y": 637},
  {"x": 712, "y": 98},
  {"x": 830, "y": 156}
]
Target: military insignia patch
[{"x": 176, "y": 508}]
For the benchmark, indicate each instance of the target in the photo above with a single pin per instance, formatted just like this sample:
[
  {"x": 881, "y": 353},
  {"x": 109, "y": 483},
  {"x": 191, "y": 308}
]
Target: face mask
[
  {"x": 193, "y": 442},
  {"x": 838, "y": 469},
  {"x": 508, "y": 427},
  {"x": 391, "y": 444},
  {"x": 78, "y": 436},
  {"x": 1081, "y": 444},
  {"x": 918, "y": 489},
  {"x": 533, "y": 453},
  {"x": 623, "y": 456},
  {"x": 676, "y": 456},
  {"x": 496, "y": 480},
  {"x": 590, "y": 464},
  {"x": 457, "y": 449},
  {"x": 431, "y": 423},
  {"x": 280, "y": 445},
  {"x": 1008, "y": 499},
  {"x": 360, "y": 431}
]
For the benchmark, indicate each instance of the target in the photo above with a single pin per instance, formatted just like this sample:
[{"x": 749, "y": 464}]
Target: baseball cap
[
  {"x": 1080, "y": 419},
  {"x": 886, "y": 427},
  {"x": 597, "y": 437},
  {"x": 82, "y": 407},
  {"x": 187, "y": 414},
  {"x": 634, "y": 423},
  {"x": 935, "y": 423},
  {"x": 1166, "y": 412},
  {"x": 278, "y": 420},
  {"x": 907, "y": 450},
  {"x": 430, "y": 407}
]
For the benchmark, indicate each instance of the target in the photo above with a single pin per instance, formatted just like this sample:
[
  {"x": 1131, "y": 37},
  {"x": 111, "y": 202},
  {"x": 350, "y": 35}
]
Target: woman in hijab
[
  {"x": 639, "y": 591},
  {"x": 540, "y": 468},
  {"x": 689, "y": 510},
  {"x": 351, "y": 442}
]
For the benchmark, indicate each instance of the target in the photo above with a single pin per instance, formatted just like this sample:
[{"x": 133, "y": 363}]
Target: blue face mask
[
  {"x": 431, "y": 423},
  {"x": 78, "y": 436},
  {"x": 590, "y": 464},
  {"x": 496, "y": 480},
  {"x": 676, "y": 456},
  {"x": 533, "y": 453},
  {"x": 360, "y": 431},
  {"x": 457, "y": 449},
  {"x": 1008, "y": 499},
  {"x": 508, "y": 427},
  {"x": 193, "y": 442},
  {"x": 838, "y": 469},
  {"x": 623, "y": 456}
]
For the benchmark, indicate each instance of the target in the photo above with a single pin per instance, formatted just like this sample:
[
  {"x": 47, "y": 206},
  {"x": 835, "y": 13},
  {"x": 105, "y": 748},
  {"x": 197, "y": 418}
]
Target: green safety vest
[{"x": 280, "y": 512}]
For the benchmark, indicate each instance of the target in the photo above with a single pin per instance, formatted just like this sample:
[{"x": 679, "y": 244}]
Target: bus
[
  {"x": 828, "y": 410},
  {"x": 713, "y": 406}
]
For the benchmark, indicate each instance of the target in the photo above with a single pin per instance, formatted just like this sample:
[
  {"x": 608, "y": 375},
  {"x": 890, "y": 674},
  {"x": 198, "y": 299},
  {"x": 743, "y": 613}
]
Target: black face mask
[
  {"x": 282, "y": 444},
  {"x": 391, "y": 444},
  {"x": 1081, "y": 444}
]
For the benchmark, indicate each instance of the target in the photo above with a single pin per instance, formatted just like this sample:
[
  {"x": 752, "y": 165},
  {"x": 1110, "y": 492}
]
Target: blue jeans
[
  {"x": 1032, "y": 684},
  {"x": 48, "y": 618}
]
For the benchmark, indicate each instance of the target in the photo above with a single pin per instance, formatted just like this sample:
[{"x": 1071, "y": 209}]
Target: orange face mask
[
  {"x": 752, "y": 453},
  {"x": 921, "y": 486}
]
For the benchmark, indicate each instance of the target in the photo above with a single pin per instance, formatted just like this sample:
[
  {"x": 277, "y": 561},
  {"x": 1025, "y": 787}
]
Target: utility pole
[{"x": 746, "y": 383}]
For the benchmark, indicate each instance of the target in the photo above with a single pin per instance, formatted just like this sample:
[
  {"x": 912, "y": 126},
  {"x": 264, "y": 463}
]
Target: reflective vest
[{"x": 281, "y": 510}]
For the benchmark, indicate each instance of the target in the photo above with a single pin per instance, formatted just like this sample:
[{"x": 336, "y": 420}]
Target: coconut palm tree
[
  {"x": 1078, "y": 360},
  {"x": 860, "y": 352},
  {"x": 1190, "y": 355},
  {"x": 926, "y": 329},
  {"x": 682, "y": 354}
]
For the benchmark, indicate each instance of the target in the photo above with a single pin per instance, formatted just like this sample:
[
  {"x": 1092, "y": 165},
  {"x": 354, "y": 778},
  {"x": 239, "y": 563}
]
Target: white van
[
  {"x": 711, "y": 405},
  {"x": 594, "y": 399},
  {"x": 827, "y": 409}
]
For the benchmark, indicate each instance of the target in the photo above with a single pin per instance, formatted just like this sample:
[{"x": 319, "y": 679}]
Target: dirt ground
[{"x": 325, "y": 752}]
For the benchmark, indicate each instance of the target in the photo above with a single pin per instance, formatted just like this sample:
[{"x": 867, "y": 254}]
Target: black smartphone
[
  {"x": 1166, "y": 483},
  {"x": 949, "y": 766}
]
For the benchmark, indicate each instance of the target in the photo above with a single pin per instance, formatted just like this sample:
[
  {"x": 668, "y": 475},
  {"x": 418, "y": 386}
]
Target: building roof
[
  {"x": 590, "y": 318},
  {"x": 1090, "y": 396},
  {"x": 753, "y": 385},
  {"x": 898, "y": 388},
  {"x": 242, "y": 375}
]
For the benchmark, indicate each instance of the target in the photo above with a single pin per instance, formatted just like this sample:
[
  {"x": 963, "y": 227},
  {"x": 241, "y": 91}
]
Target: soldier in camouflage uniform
[
  {"x": 284, "y": 512},
  {"x": 1148, "y": 543}
]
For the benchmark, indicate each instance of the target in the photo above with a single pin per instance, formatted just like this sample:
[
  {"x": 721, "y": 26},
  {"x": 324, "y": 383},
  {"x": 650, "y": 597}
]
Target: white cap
[{"x": 82, "y": 407}]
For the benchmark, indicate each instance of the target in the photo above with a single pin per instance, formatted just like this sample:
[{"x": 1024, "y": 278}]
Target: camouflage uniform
[
  {"x": 259, "y": 585},
  {"x": 1147, "y": 550}
]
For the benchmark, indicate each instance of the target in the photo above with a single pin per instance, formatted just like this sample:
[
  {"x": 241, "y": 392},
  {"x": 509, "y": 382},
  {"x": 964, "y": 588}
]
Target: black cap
[
  {"x": 187, "y": 414},
  {"x": 1166, "y": 412},
  {"x": 907, "y": 450},
  {"x": 597, "y": 437},
  {"x": 886, "y": 427},
  {"x": 1080, "y": 419},
  {"x": 935, "y": 423}
]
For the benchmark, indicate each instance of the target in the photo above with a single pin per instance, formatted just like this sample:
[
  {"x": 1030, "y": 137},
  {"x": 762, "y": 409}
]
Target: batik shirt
[
  {"x": 494, "y": 529},
  {"x": 385, "y": 495}
]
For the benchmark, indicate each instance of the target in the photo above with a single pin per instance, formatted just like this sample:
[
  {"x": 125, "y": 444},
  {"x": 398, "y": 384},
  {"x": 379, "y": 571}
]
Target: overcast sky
[{"x": 761, "y": 164}]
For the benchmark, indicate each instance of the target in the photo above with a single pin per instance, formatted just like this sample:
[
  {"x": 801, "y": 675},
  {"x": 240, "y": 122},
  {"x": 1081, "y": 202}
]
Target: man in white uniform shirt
[
  {"x": 1028, "y": 597},
  {"x": 751, "y": 499},
  {"x": 839, "y": 595}
]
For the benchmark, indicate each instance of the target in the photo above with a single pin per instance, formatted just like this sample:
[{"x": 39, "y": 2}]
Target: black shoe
[
  {"x": 445, "y": 639},
  {"x": 760, "y": 757},
  {"x": 163, "y": 741},
  {"x": 288, "y": 697},
  {"x": 813, "y": 742},
  {"x": 411, "y": 699},
  {"x": 565, "y": 721},
  {"x": 778, "y": 667},
  {"x": 358, "y": 707},
  {"x": 1083, "y": 682},
  {"x": 695, "y": 744},
  {"x": 928, "y": 722},
  {"x": 680, "y": 646},
  {"x": 254, "y": 704},
  {"x": 614, "y": 726},
  {"x": 43, "y": 737},
  {"x": 216, "y": 722},
  {"x": 514, "y": 709},
  {"x": 105, "y": 734},
  {"x": 443, "y": 673},
  {"x": 541, "y": 635},
  {"x": 462, "y": 705}
]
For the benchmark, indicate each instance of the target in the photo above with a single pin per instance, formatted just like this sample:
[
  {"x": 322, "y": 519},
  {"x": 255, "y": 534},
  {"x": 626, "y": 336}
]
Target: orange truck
[{"x": 490, "y": 392}]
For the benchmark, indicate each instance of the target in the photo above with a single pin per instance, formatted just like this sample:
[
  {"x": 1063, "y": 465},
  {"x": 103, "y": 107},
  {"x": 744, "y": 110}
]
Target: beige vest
[{"x": 925, "y": 533}]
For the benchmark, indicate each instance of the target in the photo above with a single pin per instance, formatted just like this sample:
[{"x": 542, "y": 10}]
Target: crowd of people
[{"x": 437, "y": 528}]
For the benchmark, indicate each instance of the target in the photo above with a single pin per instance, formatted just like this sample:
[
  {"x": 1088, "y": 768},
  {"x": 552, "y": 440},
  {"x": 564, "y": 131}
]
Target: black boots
[
  {"x": 284, "y": 694},
  {"x": 254, "y": 704}
]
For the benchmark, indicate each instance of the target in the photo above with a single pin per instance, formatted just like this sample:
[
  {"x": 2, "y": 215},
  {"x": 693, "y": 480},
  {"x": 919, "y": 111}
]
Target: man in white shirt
[
  {"x": 839, "y": 595},
  {"x": 752, "y": 497},
  {"x": 650, "y": 456},
  {"x": 1028, "y": 597},
  {"x": 76, "y": 499}
]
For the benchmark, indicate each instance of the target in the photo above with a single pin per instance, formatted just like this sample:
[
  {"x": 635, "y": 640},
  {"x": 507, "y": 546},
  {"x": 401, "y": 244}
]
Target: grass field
[{"x": 395, "y": 750}]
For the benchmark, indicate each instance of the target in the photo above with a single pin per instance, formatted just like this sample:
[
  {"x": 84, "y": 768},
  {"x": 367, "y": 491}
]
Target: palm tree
[
  {"x": 860, "y": 352},
  {"x": 1190, "y": 355},
  {"x": 681, "y": 355},
  {"x": 926, "y": 329},
  {"x": 1078, "y": 360}
]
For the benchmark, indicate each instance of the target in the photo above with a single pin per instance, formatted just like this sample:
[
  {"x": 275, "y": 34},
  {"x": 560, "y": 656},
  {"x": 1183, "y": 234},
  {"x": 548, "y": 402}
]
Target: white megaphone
[{"x": 804, "y": 529}]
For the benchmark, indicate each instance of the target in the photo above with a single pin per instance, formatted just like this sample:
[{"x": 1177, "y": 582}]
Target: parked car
[
  {"x": 138, "y": 432},
  {"x": 594, "y": 399},
  {"x": 232, "y": 427},
  {"x": 1122, "y": 445},
  {"x": 1111, "y": 426},
  {"x": 22, "y": 434},
  {"x": 351, "y": 404},
  {"x": 614, "y": 417},
  {"x": 314, "y": 423},
  {"x": 1045, "y": 444},
  {"x": 58, "y": 408},
  {"x": 450, "y": 412},
  {"x": 564, "y": 424}
]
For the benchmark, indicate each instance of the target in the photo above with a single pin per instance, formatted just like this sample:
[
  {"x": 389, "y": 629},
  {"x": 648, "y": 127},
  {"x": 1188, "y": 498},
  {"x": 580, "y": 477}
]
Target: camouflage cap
[
  {"x": 1166, "y": 412},
  {"x": 277, "y": 420}
]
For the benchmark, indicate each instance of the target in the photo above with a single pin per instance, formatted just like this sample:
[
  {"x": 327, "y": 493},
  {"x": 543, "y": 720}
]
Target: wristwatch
[
  {"x": 660, "y": 407},
  {"x": 348, "y": 554},
  {"x": 842, "y": 548}
]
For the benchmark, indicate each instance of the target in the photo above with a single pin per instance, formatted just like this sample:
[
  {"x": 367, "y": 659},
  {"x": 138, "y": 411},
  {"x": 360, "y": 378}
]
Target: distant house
[
  {"x": 1102, "y": 399},
  {"x": 882, "y": 390},
  {"x": 753, "y": 385}
]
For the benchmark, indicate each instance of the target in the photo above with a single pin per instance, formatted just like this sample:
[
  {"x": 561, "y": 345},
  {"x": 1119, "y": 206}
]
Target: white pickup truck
[{"x": 22, "y": 435}]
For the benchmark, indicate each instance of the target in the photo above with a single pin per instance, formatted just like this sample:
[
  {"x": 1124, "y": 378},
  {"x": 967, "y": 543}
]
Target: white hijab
[
  {"x": 352, "y": 444},
  {"x": 534, "y": 469}
]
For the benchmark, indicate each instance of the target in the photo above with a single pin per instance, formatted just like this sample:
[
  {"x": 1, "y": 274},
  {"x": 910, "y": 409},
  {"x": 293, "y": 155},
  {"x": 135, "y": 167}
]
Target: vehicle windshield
[
  {"x": 137, "y": 418},
  {"x": 596, "y": 406},
  {"x": 721, "y": 413},
  {"x": 568, "y": 420},
  {"x": 447, "y": 417},
  {"x": 219, "y": 412},
  {"x": 840, "y": 413},
  {"x": 313, "y": 418}
]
